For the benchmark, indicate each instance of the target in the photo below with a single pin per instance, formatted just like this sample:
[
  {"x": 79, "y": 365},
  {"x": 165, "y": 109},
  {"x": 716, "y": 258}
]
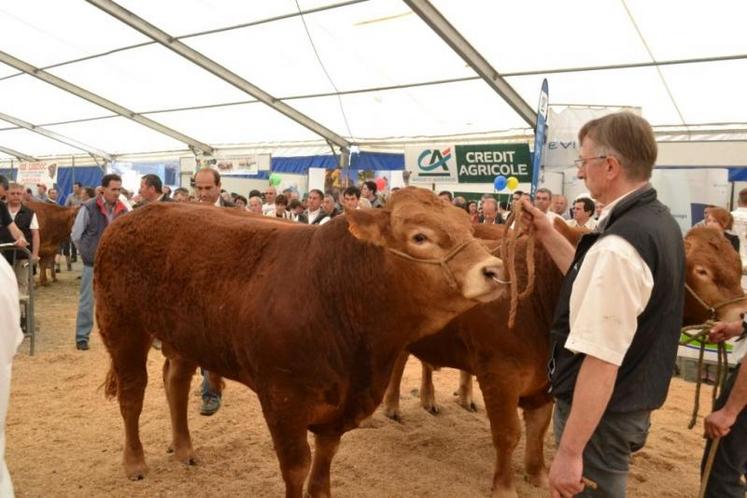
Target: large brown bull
[
  {"x": 511, "y": 365},
  {"x": 55, "y": 224},
  {"x": 310, "y": 350}
]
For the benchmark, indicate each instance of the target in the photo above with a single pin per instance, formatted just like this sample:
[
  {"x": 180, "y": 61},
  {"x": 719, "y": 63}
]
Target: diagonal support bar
[
  {"x": 56, "y": 136},
  {"x": 170, "y": 42},
  {"x": 101, "y": 101},
  {"x": 471, "y": 56},
  {"x": 19, "y": 155}
]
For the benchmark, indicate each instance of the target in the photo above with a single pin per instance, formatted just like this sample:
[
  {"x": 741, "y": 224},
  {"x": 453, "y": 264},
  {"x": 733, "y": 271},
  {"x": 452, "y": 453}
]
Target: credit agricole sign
[{"x": 450, "y": 163}]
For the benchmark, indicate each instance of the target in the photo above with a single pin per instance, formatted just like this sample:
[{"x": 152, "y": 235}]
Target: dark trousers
[
  {"x": 725, "y": 480},
  {"x": 607, "y": 454}
]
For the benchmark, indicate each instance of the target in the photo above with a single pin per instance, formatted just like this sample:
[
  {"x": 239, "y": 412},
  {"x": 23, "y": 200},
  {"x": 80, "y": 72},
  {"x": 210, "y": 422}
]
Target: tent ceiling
[{"x": 365, "y": 46}]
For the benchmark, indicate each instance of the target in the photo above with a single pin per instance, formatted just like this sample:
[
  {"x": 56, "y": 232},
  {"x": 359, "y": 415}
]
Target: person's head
[
  {"x": 181, "y": 194},
  {"x": 559, "y": 204},
  {"x": 295, "y": 206},
  {"x": 281, "y": 203},
  {"x": 254, "y": 193},
  {"x": 328, "y": 204},
  {"x": 255, "y": 204},
  {"x": 516, "y": 195},
  {"x": 459, "y": 202},
  {"x": 489, "y": 208},
  {"x": 368, "y": 190},
  {"x": 542, "y": 199},
  {"x": 742, "y": 198},
  {"x": 41, "y": 189},
  {"x": 52, "y": 194},
  {"x": 85, "y": 194},
  {"x": 618, "y": 152},
  {"x": 240, "y": 202},
  {"x": 720, "y": 218},
  {"x": 583, "y": 209},
  {"x": 14, "y": 195},
  {"x": 166, "y": 191},
  {"x": 3, "y": 185},
  {"x": 270, "y": 194},
  {"x": 111, "y": 187},
  {"x": 150, "y": 188},
  {"x": 29, "y": 195},
  {"x": 446, "y": 196},
  {"x": 315, "y": 199},
  {"x": 207, "y": 185},
  {"x": 472, "y": 207},
  {"x": 77, "y": 187},
  {"x": 350, "y": 198},
  {"x": 707, "y": 211}
]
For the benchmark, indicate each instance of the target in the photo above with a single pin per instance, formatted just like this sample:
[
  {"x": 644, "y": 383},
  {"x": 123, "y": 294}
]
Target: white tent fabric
[{"x": 375, "y": 72}]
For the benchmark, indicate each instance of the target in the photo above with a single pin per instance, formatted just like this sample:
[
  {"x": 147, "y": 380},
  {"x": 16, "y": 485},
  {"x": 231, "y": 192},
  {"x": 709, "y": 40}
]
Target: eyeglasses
[{"x": 581, "y": 162}]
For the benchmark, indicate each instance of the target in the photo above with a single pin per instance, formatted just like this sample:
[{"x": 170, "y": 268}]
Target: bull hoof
[
  {"x": 136, "y": 472},
  {"x": 504, "y": 493},
  {"x": 394, "y": 415},
  {"x": 170, "y": 449},
  {"x": 432, "y": 409},
  {"x": 137, "y": 477}
]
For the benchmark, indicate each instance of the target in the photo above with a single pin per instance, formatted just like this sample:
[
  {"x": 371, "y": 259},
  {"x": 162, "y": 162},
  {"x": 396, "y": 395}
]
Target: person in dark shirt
[{"x": 6, "y": 220}]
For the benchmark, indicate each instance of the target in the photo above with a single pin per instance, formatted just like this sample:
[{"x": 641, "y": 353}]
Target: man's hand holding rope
[
  {"x": 718, "y": 423},
  {"x": 560, "y": 249}
]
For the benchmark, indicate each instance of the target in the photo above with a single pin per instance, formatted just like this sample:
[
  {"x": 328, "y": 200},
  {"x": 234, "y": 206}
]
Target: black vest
[
  {"x": 643, "y": 378},
  {"x": 23, "y": 219}
]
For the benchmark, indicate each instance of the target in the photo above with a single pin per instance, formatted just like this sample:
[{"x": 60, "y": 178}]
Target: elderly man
[
  {"x": 41, "y": 193},
  {"x": 6, "y": 221},
  {"x": 617, "y": 323},
  {"x": 94, "y": 216},
  {"x": 490, "y": 214},
  {"x": 26, "y": 220},
  {"x": 269, "y": 205},
  {"x": 583, "y": 212},
  {"x": 255, "y": 204},
  {"x": 559, "y": 206}
]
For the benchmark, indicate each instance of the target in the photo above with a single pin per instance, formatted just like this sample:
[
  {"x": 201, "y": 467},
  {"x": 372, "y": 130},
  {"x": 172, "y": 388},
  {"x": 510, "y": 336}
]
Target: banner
[
  {"x": 449, "y": 163},
  {"x": 539, "y": 136},
  {"x": 561, "y": 149},
  {"x": 239, "y": 164},
  {"x": 30, "y": 174}
]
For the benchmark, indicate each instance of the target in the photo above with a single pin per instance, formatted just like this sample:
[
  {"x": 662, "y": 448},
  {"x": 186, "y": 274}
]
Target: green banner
[{"x": 482, "y": 163}]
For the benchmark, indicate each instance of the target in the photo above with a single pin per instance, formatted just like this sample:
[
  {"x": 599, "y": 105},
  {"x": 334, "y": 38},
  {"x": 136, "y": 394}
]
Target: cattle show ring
[{"x": 373, "y": 248}]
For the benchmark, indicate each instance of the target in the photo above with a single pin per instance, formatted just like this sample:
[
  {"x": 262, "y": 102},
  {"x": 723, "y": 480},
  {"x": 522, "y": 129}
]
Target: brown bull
[
  {"x": 55, "y": 225},
  {"x": 310, "y": 351},
  {"x": 511, "y": 365}
]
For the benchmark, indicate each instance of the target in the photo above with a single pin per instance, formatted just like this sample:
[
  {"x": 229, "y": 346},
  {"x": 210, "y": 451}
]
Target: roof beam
[
  {"x": 19, "y": 155},
  {"x": 216, "y": 69},
  {"x": 101, "y": 101},
  {"x": 56, "y": 136},
  {"x": 471, "y": 56}
]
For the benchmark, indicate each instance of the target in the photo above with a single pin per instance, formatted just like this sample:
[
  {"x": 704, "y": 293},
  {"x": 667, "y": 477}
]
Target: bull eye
[{"x": 419, "y": 238}]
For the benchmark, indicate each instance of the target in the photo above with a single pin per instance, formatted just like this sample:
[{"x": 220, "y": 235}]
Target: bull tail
[{"x": 110, "y": 383}]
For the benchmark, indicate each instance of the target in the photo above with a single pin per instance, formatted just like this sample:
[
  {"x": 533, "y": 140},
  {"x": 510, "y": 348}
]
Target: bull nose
[{"x": 495, "y": 272}]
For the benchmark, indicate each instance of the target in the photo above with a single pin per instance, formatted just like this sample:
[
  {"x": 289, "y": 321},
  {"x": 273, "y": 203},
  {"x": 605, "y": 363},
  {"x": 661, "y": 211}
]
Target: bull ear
[{"x": 369, "y": 225}]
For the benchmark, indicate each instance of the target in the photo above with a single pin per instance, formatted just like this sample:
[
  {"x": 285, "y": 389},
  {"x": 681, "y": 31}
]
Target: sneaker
[
  {"x": 209, "y": 406},
  {"x": 81, "y": 346}
]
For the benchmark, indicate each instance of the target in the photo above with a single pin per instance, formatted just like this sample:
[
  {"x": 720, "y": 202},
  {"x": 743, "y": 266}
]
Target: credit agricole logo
[{"x": 434, "y": 163}]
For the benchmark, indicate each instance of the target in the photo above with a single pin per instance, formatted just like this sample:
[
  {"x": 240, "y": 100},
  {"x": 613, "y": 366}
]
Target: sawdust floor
[{"x": 64, "y": 439}]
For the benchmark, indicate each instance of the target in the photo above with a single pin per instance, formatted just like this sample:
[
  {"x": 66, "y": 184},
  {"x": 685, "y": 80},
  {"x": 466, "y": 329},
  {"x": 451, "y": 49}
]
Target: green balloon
[{"x": 275, "y": 179}]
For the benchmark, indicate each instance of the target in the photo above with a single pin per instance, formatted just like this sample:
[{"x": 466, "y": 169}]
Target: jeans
[
  {"x": 207, "y": 389},
  {"x": 607, "y": 454},
  {"x": 84, "y": 321},
  {"x": 725, "y": 480}
]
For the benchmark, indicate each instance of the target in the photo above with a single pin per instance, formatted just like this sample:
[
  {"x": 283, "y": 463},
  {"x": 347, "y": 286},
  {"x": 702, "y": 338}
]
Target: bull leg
[
  {"x": 464, "y": 393},
  {"x": 427, "y": 391},
  {"x": 325, "y": 449},
  {"x": 292, "y": 449},
  {"x": 391, "y": 397},
  {"x": 132, "y": 377},
  {"x": 43, "y": 263},
  {"x": 536, "y": 421},
  {"x": 177, "y": 377},
  {"x": 501, "y": 401}
]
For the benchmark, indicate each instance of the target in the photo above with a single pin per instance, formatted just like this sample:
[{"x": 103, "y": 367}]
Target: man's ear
[{"x": 369, "y": 225}]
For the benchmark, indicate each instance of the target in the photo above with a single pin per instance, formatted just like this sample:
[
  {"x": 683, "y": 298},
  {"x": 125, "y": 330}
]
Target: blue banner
[{"x": 540, "y": 132}]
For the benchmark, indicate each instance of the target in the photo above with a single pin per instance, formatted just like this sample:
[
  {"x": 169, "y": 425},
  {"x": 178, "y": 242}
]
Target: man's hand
[
  {"x": 566, "y": 474},
  {"x": 718, "y": 423},
  {"x": 532, "y": 215},
  {"x": 21, "y": 242},
  {"x": 723, "y": 331}
]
